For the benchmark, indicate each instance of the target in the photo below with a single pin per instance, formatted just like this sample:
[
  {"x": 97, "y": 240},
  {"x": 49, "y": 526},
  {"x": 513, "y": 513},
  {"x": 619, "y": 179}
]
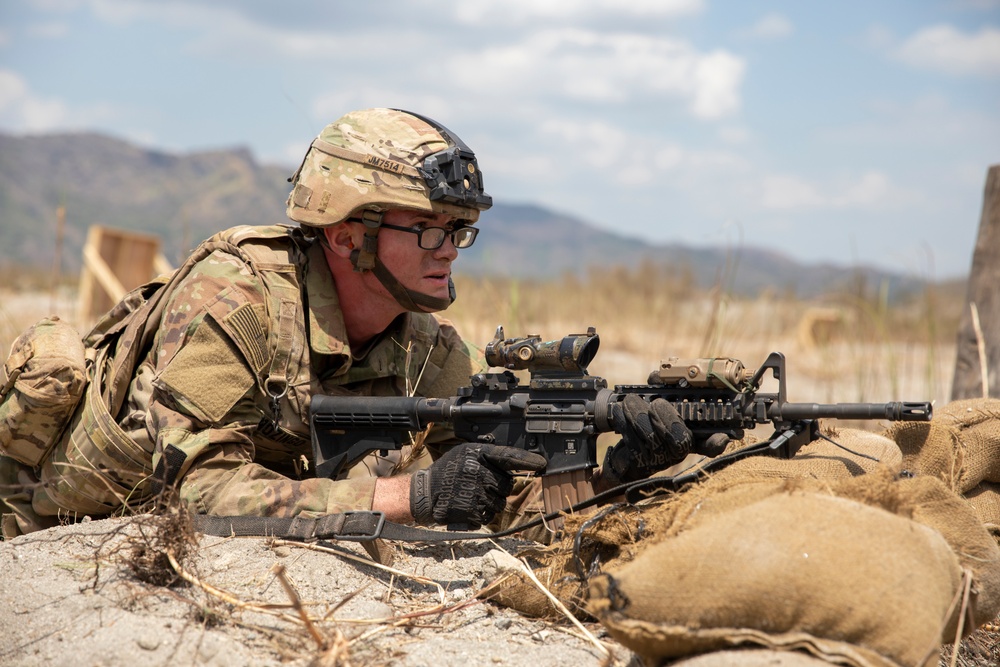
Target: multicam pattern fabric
[
  {"x": 368, "y": 159},
  {"x": 220, "y": 402},
  {"x": 42, "y": 382}
]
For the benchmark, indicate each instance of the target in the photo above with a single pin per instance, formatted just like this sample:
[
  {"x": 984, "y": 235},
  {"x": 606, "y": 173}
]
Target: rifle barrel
[{"x": 893, "y": 411}]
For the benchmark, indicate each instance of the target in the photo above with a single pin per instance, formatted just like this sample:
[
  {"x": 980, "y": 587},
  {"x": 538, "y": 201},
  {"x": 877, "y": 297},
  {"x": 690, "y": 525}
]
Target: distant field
[
  {"x": 844, "y": 349},
  {"x": 847, "y": 348}
]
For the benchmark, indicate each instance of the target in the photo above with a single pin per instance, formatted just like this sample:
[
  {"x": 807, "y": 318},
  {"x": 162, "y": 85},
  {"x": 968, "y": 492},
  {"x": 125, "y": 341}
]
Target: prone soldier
[{"x": 201, "y": 381}]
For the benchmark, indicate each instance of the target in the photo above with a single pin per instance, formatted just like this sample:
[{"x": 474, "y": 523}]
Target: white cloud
[
  {"x": 871, "y": 190},
  {"x": 946, "y": 49},
  {"x": 772, "y": 26},
  {"x": 483, "y": 12},
  {"x": 566, "y": 62},
  {"x": 21, "y": 110},
  {"x": 717, "y": 81},
  {"x": 607, "y": 68},
  {"x": 48, "y": 30},
  {"x": 631, "y": 159},
  {"x": 734, "y": 134},
  {"x": 594, "y": 143},
  {"x": 933, "y": 123},
  {"x": 787, "y": 192},
  {"x": 12, "y": 89},
  {"x": 668, "y": 157}
]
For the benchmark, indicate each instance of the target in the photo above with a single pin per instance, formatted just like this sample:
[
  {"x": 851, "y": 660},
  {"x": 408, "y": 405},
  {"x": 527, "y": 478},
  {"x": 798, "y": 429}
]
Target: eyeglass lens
[{"x": 432, "y": 238}]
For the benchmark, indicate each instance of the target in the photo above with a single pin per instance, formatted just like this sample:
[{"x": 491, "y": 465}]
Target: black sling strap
[{"x": 367, "y": 526}]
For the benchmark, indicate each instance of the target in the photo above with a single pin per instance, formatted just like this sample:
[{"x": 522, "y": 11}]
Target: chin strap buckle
[{"x": 364, "y": 258}]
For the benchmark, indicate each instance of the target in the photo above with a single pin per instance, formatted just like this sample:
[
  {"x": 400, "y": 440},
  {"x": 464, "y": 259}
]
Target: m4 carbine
[{"x": 562, "y": 410}]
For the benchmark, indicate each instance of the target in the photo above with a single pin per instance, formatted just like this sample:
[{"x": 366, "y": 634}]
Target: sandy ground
[{"x": 69, "y": 597}]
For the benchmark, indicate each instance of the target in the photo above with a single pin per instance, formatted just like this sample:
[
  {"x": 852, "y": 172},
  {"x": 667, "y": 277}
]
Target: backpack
[{"x": 61, "y": 395}]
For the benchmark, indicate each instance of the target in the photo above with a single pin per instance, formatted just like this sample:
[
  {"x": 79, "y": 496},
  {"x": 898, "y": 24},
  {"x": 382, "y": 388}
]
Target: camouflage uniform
[{"x": 231, "y": 338}]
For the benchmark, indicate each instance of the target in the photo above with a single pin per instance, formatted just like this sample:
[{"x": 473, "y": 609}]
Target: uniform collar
[{"x": 327, "y": 332}]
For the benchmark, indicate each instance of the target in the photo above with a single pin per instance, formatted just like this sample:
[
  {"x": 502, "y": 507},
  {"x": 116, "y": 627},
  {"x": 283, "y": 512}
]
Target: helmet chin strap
[{"x": 412, "y": 300}]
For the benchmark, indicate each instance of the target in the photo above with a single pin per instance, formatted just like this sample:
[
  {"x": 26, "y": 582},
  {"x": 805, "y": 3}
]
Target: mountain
[
  {"x": 109, "y": 181},
  {"x": 534, "y": 242},
  {"x": 185, "y": 198}
]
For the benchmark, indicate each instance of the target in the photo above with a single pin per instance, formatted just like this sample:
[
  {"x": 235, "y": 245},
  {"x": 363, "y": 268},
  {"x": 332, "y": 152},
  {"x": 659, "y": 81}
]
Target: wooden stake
[{"x": 977, "y": 362}]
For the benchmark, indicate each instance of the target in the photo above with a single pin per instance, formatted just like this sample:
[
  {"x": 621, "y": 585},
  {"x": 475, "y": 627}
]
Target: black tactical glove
[
  {"x": 654, "y": 437},
  {"x": 467, "y": 486}
]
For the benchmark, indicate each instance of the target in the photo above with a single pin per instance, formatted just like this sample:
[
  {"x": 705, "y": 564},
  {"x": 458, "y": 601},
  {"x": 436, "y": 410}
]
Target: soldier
[{"x": 201, "y": 381}]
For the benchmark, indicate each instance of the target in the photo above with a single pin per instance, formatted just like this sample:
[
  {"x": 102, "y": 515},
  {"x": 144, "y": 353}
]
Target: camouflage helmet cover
[{"x": 379, "y": 159}]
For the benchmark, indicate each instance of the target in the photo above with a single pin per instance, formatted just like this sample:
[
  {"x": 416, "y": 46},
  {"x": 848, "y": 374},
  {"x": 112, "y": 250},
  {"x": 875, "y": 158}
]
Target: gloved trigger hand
[{"x": 469, "y": 484}]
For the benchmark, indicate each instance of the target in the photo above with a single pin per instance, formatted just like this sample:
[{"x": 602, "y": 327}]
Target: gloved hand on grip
[
  {"x": 468, "y": 485},
  {"x": 654, "y": 437}
]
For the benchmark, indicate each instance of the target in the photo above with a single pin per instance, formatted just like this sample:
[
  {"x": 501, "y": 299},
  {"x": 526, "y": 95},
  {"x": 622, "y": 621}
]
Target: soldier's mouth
[{"x": 438, "y": 277}]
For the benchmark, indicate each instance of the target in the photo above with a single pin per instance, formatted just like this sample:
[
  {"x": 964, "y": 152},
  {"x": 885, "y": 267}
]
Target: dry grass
[
  {"x": 847, "y": 347},
  {"x": 844, "y": 348}
]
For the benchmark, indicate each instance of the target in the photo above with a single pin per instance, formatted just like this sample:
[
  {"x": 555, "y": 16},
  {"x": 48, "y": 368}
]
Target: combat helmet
[{"x": 372, "y": 160}]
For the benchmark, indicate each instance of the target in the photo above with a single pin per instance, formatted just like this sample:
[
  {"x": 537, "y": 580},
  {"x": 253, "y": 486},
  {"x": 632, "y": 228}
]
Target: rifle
[{"x": 562, "y": 410}]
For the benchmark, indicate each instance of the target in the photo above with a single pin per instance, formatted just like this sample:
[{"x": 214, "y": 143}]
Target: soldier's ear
[{"x": 340, "y": 239}]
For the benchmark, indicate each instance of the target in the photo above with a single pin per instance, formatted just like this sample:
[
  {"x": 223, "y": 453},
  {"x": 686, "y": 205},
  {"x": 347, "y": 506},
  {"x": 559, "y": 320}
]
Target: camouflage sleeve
[{"x": 203, "y": 411}]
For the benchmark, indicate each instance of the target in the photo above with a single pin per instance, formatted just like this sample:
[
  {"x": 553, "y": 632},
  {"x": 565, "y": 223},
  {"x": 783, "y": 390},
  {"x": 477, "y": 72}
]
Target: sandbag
[
  {"x": 984, "y": 499},
  {"x": 960, "y": 445},
  {"x": 846, "y": 453},
  {"x": 939, "y": 528},
  {"x": 44, "y": 379},
  {"x": 839, "y": 578},
  {"x": 632, "y": 529}
]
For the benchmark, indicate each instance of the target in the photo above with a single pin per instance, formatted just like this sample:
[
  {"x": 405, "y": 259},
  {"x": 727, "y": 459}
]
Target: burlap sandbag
[
  {"x": 846, "y": 581},
  {"x": 984, "y": 499},
  {"x": 628, "y": 530},
  {"x": 846, "y": 453},
  {"x": 960, "y": 445},
  {"x": 620, "y": 535}
]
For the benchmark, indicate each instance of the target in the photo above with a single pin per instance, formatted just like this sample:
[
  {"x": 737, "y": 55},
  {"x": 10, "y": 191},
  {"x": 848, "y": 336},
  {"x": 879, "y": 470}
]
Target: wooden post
[{"x": 977, "y": 363}]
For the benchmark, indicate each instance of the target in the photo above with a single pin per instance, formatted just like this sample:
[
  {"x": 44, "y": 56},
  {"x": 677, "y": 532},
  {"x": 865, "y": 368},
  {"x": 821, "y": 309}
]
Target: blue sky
[{"x": 853, "y": 132}]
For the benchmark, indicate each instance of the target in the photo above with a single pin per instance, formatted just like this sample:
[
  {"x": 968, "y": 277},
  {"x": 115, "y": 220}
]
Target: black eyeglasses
[{"x": 432, "y": 238}]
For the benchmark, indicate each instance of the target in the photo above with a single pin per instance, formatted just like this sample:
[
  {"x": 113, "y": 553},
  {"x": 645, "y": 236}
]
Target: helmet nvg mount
[{"x": 373, "y": 160}]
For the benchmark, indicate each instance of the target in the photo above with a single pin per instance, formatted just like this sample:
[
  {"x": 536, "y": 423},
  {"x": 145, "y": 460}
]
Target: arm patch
[
  {"x": 244, "y": 326},
  {"x": 208, "y": 374}
]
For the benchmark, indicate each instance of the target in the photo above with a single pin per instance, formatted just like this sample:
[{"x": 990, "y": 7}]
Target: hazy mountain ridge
[{"x": 185, "y": 198}]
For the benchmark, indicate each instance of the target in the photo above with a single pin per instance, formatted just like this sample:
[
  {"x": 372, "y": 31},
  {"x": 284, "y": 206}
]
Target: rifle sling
[
  {"x": 367, "y": 526},
  {"x": 349, "y": 526}
]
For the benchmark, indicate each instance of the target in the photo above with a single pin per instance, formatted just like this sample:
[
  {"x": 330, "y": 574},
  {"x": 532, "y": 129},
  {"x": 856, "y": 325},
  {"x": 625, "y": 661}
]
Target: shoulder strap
[{"x": 277, "y": 265}]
